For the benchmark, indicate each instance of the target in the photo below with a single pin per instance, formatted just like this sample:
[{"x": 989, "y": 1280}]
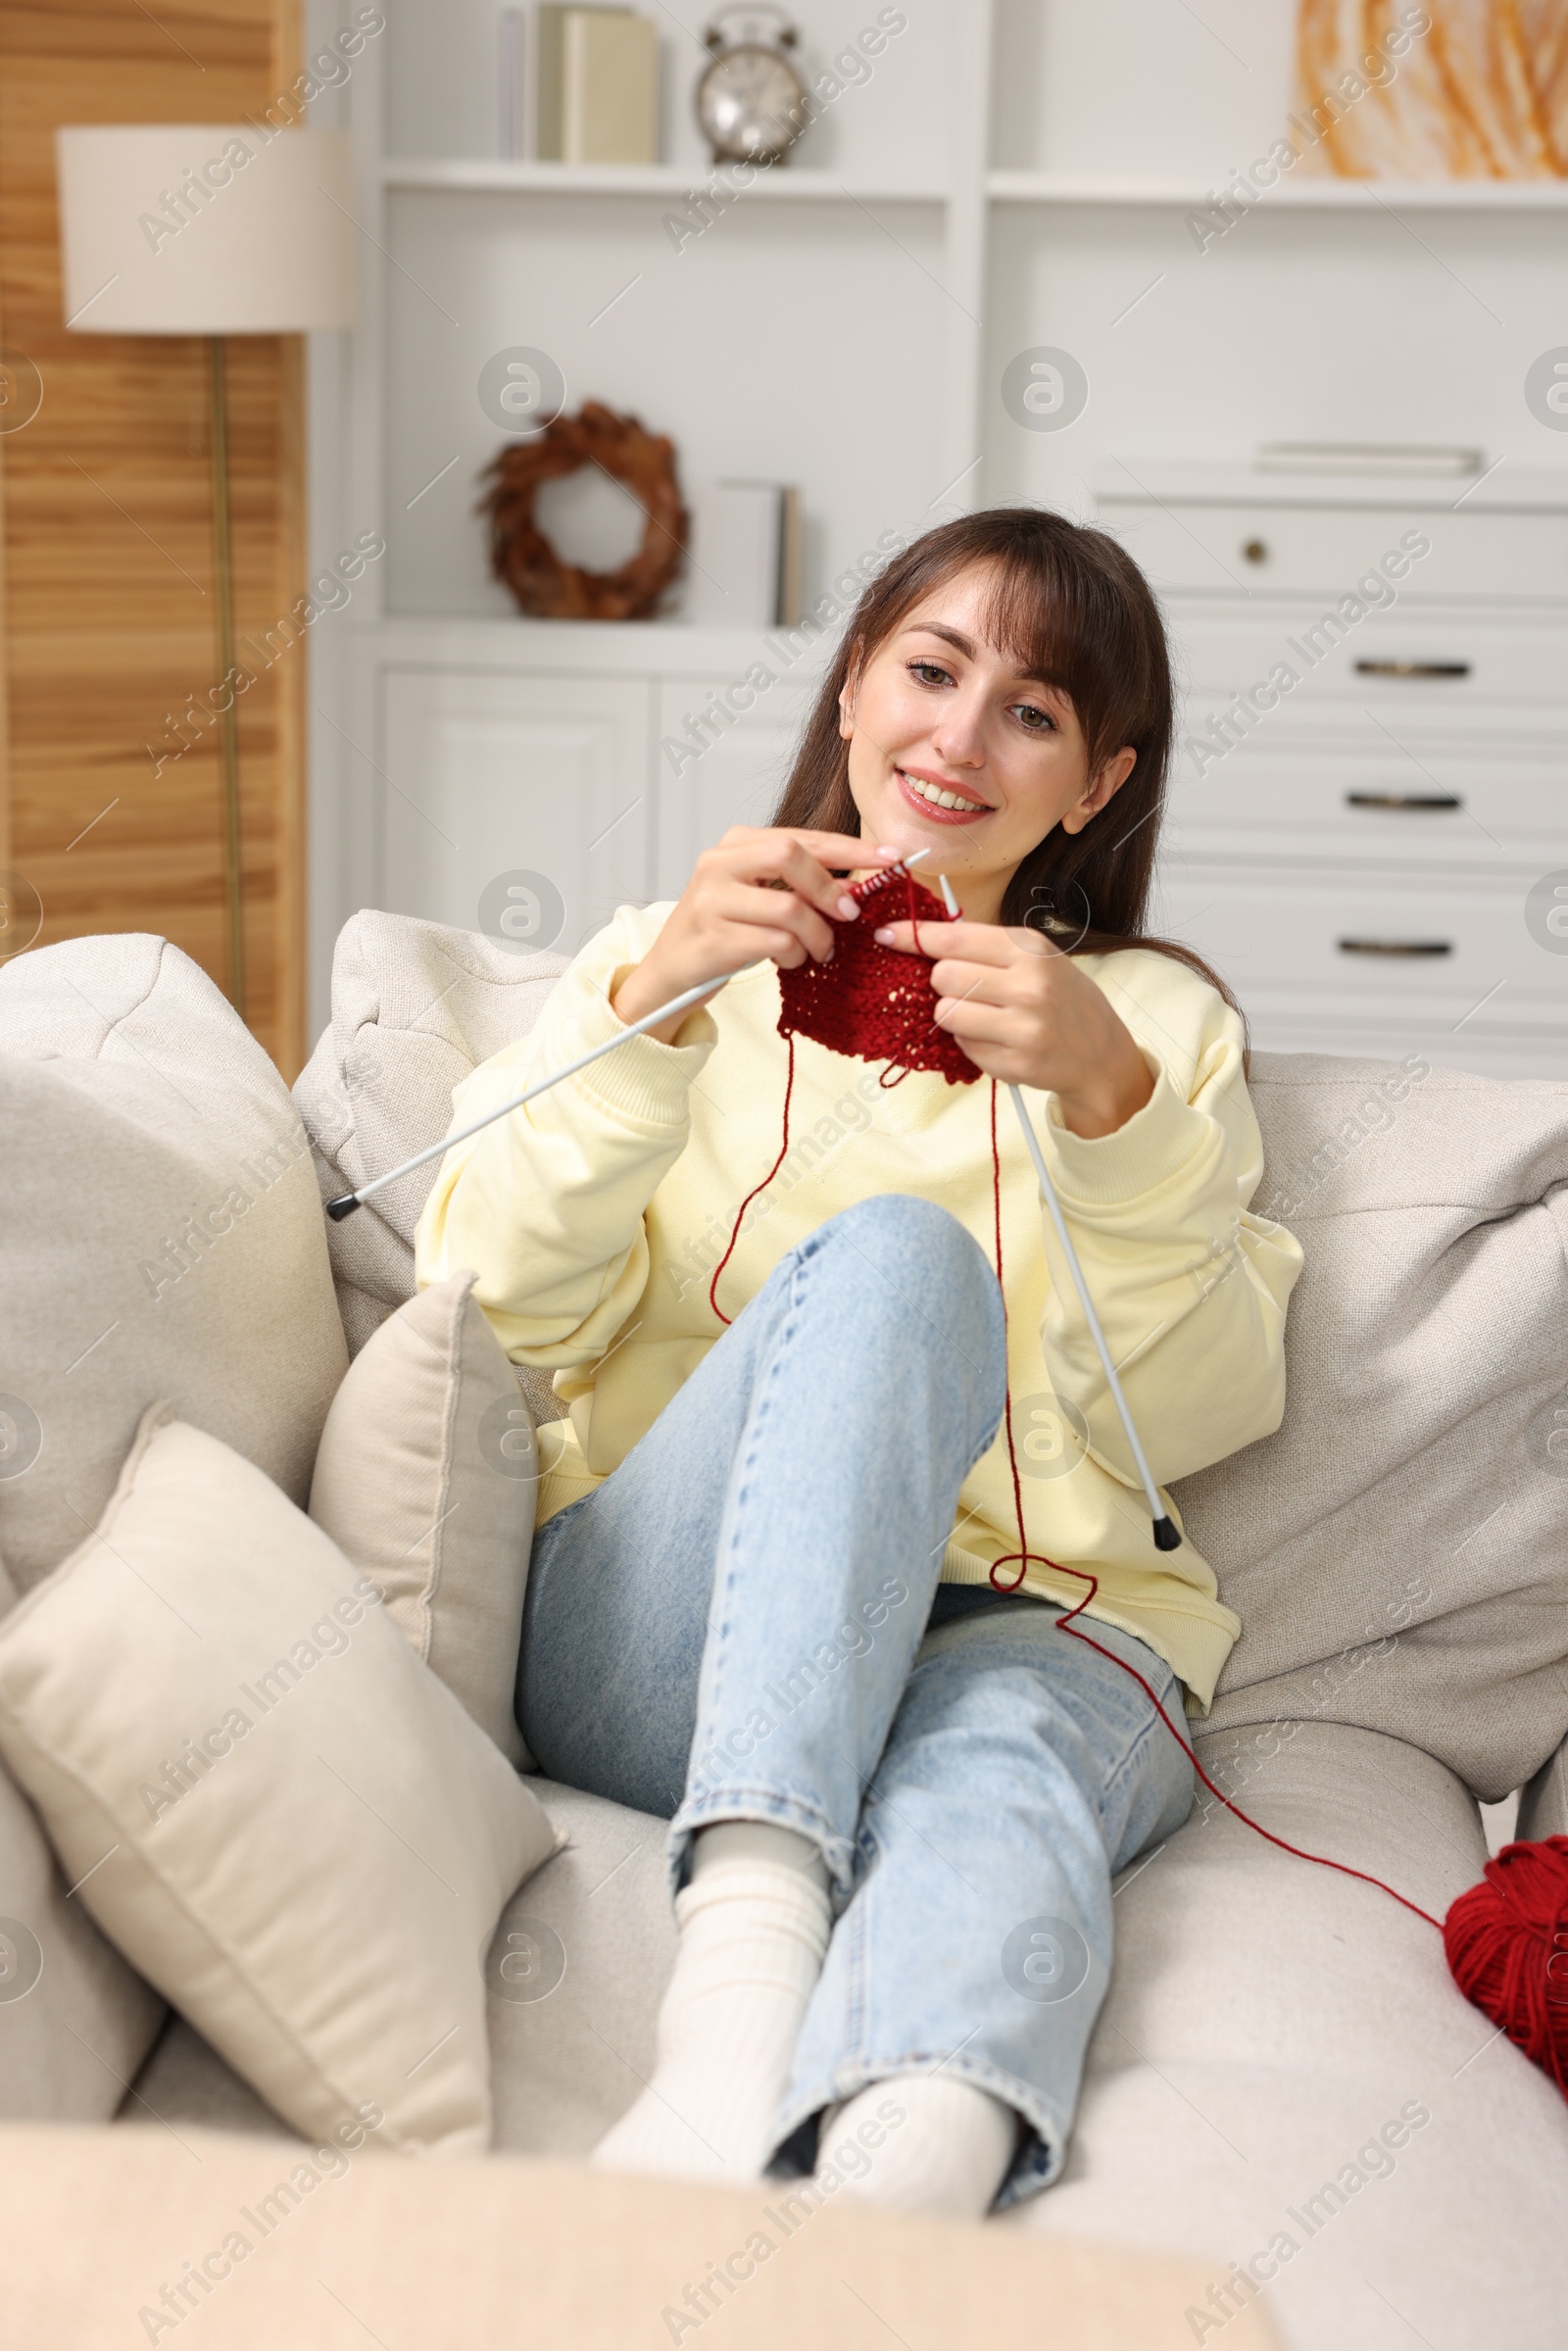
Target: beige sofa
[{"x": 1283, "y": 2077}]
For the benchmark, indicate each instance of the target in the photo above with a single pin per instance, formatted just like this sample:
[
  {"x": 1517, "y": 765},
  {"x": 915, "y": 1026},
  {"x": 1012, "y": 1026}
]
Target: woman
[{"x": 762, "y": 1598}]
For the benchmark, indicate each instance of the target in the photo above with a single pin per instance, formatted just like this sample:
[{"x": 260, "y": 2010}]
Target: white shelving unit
[
  {"x": 1292, "y": 195},
  {"x": 800, "y": 184},
  {"x": 1008, "y": 175}
]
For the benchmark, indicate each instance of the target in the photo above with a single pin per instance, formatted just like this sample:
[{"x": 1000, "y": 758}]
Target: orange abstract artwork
[{"x": 1449, "y": 89}]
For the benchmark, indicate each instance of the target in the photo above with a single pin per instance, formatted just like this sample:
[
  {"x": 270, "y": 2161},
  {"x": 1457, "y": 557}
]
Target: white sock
[
  {"x": 753, "y": 1926},
  {"x": 757, "y": 1840},
  {"x": 950, "y": 2152}
]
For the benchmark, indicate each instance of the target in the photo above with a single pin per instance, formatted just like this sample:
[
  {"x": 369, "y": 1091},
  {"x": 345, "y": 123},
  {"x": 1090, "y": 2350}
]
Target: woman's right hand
[{"x": 762, "y": 891}]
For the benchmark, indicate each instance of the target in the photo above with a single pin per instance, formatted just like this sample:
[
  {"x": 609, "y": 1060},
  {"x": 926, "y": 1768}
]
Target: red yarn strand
[
  {"x": 873, "y": 1003},
  {"x": 1065, "y": 1624},
  {"x": 783, "y": 1154}
]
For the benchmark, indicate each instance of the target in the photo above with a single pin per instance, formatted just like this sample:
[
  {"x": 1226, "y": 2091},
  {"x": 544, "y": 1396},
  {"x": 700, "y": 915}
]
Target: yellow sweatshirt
[{"x": 595, "y": 1216}]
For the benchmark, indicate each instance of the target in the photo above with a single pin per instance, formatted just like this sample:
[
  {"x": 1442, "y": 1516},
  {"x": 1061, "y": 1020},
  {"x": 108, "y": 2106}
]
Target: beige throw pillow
[
  {"x": 75, "y": 2022},
  {"x": 162, "y": 1236},
  {"x": 289, "y": 1826},
  {"x": 426, "y": 1478}
]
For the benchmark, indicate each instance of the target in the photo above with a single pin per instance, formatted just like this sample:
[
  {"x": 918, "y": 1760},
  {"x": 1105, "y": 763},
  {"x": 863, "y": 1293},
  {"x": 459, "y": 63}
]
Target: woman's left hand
[{"x": 1024, "y": 1012}]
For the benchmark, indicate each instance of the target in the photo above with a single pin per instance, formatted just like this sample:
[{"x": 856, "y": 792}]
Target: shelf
[
  {"x": 676, "y": 649},
  {"x": 482, "y": 175},
  {"x": 1292, "y": 195},
  {"x": 1503, "y": 488},
  {"x": 463, "y": 176}
]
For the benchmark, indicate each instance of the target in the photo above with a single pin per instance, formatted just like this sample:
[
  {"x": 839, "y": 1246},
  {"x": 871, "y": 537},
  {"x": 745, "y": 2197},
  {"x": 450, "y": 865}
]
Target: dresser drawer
[
  {"x": 1400, "y": 668},
  {"x": 1372, "y": 938},
  {"x": 1323, "y": 549},
  {"x": 1369, "y": 801}
]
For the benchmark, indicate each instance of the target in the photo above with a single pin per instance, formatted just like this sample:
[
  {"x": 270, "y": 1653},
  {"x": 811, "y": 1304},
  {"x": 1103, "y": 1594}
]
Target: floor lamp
[{"x": 211, "y": 229}]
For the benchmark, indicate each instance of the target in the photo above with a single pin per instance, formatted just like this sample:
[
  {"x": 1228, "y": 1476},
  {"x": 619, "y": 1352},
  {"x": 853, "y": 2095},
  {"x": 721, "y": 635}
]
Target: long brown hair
[{"x": 1068, "y": 602}]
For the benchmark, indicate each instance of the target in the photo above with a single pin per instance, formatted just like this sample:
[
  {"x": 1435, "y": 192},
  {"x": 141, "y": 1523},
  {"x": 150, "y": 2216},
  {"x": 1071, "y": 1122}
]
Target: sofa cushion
[
  {"x": 75, "y": 2022},
  {"x": 184, "y": 2081},
  {"x": 1398, "y": 1551},
  {"x": 426, "y": 1478},
  {"x": 574, "y": 1976},
  {"x": 415, "y": 1007},
  {"x": 1274, "y": 2031},
  {"x": 287, "y": 1822},
  {"x": 1544, "y": 1804},
  {"x": 162, "y": 1236}
]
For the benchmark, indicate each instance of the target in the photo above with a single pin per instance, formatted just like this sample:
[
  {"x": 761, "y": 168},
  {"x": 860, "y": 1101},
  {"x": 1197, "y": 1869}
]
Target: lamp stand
[{"x": 227, "y": 718}]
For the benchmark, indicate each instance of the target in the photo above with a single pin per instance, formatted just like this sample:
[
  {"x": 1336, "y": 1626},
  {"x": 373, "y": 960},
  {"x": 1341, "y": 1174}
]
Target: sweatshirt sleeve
[
  {"x": 1190, "y": 1287},
  {"x": 547, "y": 1205}
]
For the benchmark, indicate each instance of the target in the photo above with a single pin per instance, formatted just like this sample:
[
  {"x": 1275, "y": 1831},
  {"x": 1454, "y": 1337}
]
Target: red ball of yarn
[{"x": 1508, "y": 1945}]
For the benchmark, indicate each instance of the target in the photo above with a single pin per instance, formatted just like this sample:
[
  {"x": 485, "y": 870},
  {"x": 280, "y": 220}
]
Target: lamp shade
[{"x": 201, "y": 228}]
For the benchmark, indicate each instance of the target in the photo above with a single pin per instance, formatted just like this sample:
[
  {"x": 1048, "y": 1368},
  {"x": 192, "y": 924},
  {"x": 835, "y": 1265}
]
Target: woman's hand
[
  {"x": 760, "y": 891},
  {"x": 1025, "y": 1013}
]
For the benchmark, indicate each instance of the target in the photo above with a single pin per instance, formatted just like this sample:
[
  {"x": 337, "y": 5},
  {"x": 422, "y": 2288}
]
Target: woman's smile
[{"x": 940, "y": 797}]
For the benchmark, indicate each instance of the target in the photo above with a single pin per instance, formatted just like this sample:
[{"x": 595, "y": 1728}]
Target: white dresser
[{"x": 1369, "y": 807}]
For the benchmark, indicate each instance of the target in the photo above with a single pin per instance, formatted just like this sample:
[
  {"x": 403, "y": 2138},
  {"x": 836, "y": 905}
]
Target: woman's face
[{"x": 940, "y": 716}]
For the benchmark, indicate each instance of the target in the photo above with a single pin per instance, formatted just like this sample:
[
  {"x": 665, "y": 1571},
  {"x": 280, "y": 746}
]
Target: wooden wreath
[{"x": 522, "y": 558}]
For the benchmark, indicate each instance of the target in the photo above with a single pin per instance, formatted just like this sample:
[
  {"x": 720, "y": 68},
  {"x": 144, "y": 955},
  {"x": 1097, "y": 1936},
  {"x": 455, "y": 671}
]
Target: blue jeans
[{"x": 743, "y": 1622}]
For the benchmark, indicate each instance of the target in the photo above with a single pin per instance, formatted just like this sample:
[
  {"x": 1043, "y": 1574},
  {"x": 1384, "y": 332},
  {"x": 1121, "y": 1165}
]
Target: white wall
[{"x": 1148, "y": 89}]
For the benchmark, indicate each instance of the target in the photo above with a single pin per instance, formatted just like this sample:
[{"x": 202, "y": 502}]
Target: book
[
  {"x": 1367, "y": 457},
  {"x": 512, "y": 87},
  {"x": 597, "y": 87},
  {"x": 791, "y": 559},
  {"x": 745, "y": 560}
]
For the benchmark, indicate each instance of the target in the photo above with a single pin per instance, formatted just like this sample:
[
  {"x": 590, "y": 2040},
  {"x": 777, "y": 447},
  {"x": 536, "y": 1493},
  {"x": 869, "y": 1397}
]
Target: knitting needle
[
  {"x": 347, "y": 1201},
  {"x": 1166, "y": 1535}
]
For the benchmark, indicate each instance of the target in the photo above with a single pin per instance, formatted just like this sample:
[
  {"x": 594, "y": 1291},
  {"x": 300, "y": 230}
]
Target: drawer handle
[
  {"x": 1413, "y": 668},
  {"x": 1402, "y": 799},
  {"x": 1395, "y": 947}
]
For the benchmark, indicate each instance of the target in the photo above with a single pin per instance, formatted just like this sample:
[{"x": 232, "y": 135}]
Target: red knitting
[{"x": 871, "y": 1003}]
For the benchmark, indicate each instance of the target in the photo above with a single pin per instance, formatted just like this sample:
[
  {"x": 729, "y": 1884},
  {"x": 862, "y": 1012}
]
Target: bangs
[
  {"x": 1056, "y": 624},
  {"x": 1040, "y": 612}
]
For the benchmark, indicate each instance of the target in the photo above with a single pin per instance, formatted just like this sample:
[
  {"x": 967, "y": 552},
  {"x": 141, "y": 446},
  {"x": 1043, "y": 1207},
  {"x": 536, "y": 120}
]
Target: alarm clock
[{"x": 751, "y": 103}]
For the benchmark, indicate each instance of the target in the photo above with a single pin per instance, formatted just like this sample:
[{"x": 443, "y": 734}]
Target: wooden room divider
[{"x": 110, "y": 807}]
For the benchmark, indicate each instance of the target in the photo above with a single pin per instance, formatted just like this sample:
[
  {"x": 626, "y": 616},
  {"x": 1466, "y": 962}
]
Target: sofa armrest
[
  {"x": 1543, "y": 1804},
  {"x": 495, "y": 2251}
]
